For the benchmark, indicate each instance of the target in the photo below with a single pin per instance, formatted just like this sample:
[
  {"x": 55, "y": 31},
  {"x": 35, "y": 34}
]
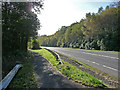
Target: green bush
[{"x": 34, "y": 44}]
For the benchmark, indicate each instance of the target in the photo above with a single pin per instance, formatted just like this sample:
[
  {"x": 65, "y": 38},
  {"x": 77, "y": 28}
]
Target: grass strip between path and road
[
  {"x": 114, "y": 78},
  {"x": 92, "y": 68},
  {"x": 71, "y": 71}
]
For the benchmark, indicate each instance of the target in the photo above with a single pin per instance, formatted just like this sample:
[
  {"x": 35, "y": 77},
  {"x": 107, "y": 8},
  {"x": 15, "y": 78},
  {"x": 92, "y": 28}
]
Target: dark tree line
[
  {"x": 19, "y": 24},
  {"x": 97, "y": 31}
]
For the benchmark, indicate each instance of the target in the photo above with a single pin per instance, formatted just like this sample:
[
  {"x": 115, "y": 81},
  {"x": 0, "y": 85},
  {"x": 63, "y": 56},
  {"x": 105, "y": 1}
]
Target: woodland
[{"x": 97, "y": 31}]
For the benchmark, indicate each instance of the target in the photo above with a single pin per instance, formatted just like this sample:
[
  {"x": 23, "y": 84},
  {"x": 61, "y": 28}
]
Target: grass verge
[
  {"x": 71, "y": 71},
  {"x": 101, "y": 73},
  {"x": 25, "y": 77},
  {"x": 92, "y": 68},
  {"x": 114, "y": 78}
]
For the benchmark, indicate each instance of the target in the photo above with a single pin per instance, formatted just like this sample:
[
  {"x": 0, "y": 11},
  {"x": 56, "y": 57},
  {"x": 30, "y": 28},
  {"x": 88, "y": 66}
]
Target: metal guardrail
[
  {"x": 55, "y": 54},
  {"x": 6, "y": 81},
  {"x": 59, "y": 57}
]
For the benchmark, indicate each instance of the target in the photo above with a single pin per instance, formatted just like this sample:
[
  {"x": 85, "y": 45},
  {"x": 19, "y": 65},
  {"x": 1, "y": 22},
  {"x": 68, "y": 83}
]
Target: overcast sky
[{"x": 57, "y": 13}]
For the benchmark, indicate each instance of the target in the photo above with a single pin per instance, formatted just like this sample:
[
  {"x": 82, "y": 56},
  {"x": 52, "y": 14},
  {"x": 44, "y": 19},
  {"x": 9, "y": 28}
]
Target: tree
[
  {"x": 19, "y": 24},
  {"x": 97, "y": 31},
  {"x": 35, "y": 44},
  {"x": 100, "y": 9},
  {"x": 107, "y": 7}
]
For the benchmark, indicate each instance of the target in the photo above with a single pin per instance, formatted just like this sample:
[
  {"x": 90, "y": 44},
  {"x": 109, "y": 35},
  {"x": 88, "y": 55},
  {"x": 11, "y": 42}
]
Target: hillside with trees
[{"x": 98, "y": 31}]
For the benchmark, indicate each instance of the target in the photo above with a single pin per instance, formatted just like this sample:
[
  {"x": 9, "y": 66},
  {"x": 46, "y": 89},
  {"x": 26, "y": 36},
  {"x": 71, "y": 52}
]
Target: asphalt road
[{"x": 104, "y": 61}]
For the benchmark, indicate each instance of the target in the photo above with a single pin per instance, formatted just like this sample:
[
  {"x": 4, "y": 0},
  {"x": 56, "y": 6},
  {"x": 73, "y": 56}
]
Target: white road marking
[
  {"x": 101, "y": 55},
  {"x": 96, "y": 63},
  {"x": 110, "y": 68},
  {"x": 93, "y": 62},
  {"x": 103, "y": 65}
]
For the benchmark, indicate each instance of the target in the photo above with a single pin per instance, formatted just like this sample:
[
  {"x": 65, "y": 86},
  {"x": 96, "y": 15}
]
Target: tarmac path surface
[{"x": 48, "y": 77}]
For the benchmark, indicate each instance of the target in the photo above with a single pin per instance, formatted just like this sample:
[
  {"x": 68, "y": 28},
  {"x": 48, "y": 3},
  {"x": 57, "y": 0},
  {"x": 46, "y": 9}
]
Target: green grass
[
  {"x": 114, "y": 78},
  {"x": 71, "y": 71},
  {"x": 92, "y": 68},
  {"x": 25, "y": 77}
]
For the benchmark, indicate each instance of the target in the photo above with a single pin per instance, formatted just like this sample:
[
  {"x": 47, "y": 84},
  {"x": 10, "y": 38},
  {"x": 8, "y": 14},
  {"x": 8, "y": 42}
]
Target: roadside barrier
[
  {"x": 56, "y": 55},
  {"x": 59, "y": 57},
  {"x": 7, "y": 79}
]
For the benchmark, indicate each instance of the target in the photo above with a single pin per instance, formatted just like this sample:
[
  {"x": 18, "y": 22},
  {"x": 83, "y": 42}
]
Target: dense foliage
[
  {"x": 34, "y": 44},
  {"x": 97, "y": 31},
  {"x": 19, "y": 24}
]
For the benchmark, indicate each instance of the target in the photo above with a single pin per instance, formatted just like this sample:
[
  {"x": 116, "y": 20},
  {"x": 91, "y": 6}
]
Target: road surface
[{"x": 103, "y": 61}]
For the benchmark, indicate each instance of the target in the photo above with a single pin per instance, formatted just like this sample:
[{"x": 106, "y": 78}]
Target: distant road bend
[{"x": 103, "y": 61}]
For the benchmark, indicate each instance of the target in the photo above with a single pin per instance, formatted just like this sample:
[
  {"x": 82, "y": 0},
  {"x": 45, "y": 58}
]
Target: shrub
[{"x": 35, "y": 44}]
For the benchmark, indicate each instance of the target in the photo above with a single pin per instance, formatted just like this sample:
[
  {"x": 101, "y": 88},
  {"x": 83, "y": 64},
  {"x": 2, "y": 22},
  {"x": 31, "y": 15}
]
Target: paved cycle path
[{"x": 48, "y": 77}]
